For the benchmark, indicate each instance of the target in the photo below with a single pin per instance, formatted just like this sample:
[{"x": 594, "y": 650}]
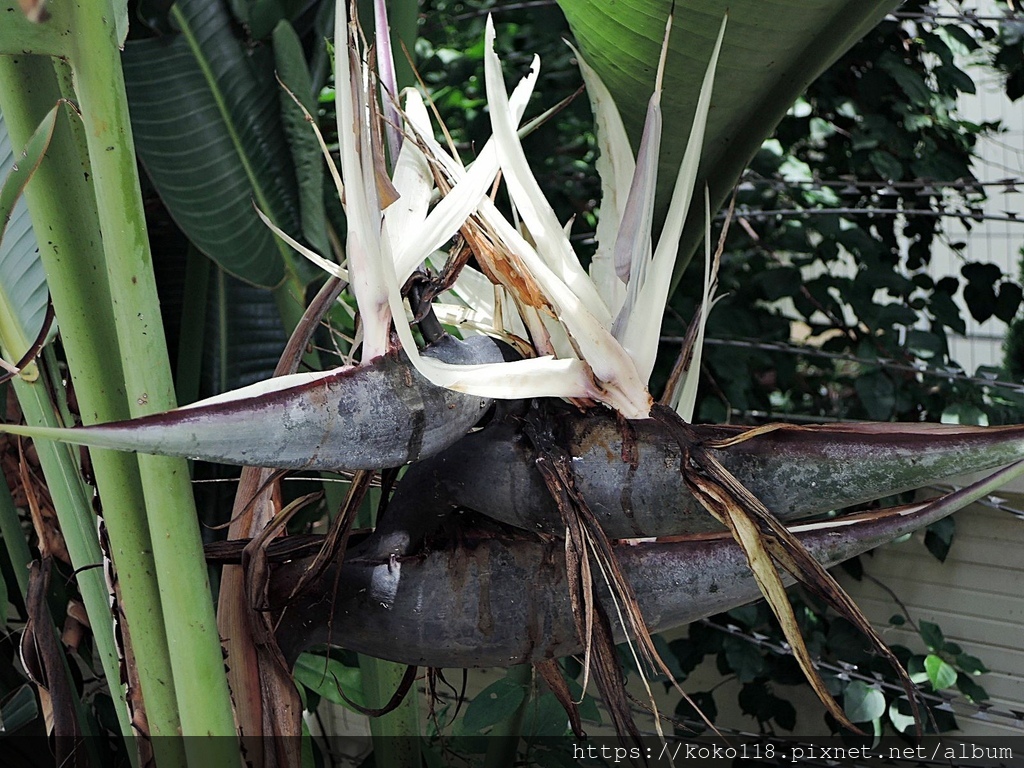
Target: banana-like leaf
[
  {"x": 244, "y": 335},
  {"x": 290, "y": 61},
  {"x": 23, "y": 293},
  {"x": 772, "y": 51},
  {"x": 207, "y": 127}
]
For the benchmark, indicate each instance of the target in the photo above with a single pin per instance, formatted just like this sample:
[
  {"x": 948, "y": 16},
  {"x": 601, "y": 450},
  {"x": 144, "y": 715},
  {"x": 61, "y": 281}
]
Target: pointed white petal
[
  {"x": 632, "y": 244},
  {"x": 612, "y": 366},
  {"x": 686, "y": 399},
  {"x": 450, "y": 214},
  {"x": 615, "y": 166},
  {"x": 632, "y": 251},
  {"x": 643, "y": 327},
  {"x": 526, "y": 193},
  {"x": 536, "y": 377},
  {"x": 261, "y": 388},
  {"x": 413, "y": 181},
  {"x": 363, "y": 245}
]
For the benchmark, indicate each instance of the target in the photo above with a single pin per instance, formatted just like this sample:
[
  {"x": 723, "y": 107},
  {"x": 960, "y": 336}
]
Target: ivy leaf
[
  {"x": 945, "y": 311},
  {"x": 863, "y": 703},
  {"x": 981, "y": 300},
  {"x": 705, "y": 701},
  {"x": 939, "y": 537},
  {"x": 972, "y": 665},
  {"x": 328, "y": 678},
  {"x": 779, "y": 283},
  {"x": 956, "y": 77},
  {"x": 911, "y": 82},
  {"x": 971, "y": 689},
  {"x": 885, "y": 165},
  {"x": 932, "y": 635},
  {"x": 1008, "y": 301},
  {"x": 495, "y": 703},
  {"x": 878, "y": 394},
  {"x": 940, "y": 674},
  {"x": 784, "y": 713},
  {"x": 544, "y": 718},
  {"x": 744, "y": 659},
  {"x": 900, "y": 720}
]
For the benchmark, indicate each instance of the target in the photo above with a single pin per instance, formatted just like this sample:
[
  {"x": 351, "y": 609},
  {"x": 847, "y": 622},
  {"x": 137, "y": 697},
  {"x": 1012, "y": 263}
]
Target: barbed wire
[
  {"x": 966, "y": 15},
  {"x": 949, "y": 374},
  {"x": 941, "y": 213},
  {"x": 851, "y": 185},
  {"x": 846, "y": 671}
]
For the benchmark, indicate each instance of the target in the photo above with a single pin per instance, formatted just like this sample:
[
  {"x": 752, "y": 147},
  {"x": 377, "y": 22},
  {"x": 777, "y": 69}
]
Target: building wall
[
  {"x": 976, "y": 596},
  {"x": 1000, "y": 157}
]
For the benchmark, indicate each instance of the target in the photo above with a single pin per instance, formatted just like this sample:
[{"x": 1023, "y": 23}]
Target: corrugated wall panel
[{"x": 976, "y": 596}]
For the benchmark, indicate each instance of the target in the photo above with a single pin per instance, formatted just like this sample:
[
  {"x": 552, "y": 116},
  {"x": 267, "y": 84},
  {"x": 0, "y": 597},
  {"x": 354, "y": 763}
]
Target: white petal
[
  {"x": 471, "y": 186},
  {"x": 615, "y": 166},
  {"x": 686, "y": 399},
  {"x": 526, "y": 193},
  {"x": 413, "y": 181},
  {"x": 643, "y": 327},
  {"x": 363, "y": 245}
]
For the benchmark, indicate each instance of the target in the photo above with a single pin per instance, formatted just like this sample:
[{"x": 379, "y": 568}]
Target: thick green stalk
[
  {"x": 61, "y": 202},
  {"x": 72, "y": 500},
  {"x": 21, "y": 36},
  {"x": 395, "y": 735},
  {"x": 195, "y": 653}
]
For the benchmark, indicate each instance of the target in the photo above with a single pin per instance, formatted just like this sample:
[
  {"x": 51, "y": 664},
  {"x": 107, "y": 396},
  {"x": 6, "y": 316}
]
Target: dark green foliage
[{"x": 881, "y": 130}]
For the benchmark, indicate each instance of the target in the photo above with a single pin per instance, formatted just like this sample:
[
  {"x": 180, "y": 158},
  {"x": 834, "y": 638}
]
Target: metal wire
[
  {"x": 967, "y": 15},
  {"x": 748, "y": 213},
  {"x": 942, "y": 701},
  {"x": 851, "y": 185},
  {"x": 949, "y": 374}
]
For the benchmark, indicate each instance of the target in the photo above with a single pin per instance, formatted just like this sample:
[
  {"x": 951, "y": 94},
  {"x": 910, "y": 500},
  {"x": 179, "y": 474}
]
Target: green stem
[
  {"x": 204, "y": 703},
  {"x": 504, "y": 736},
  {"x": 60, "y": 200},
  {"x": 395, "y": 735},
  {"x": 19, "y": 36},
  {"x": 72, "y": 501}
]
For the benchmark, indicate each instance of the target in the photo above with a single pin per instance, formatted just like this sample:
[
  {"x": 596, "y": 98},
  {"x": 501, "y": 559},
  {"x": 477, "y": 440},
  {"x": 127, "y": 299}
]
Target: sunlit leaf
[
  {"x": 863, "y": 703},
  {"x": 940, "y": 673}
]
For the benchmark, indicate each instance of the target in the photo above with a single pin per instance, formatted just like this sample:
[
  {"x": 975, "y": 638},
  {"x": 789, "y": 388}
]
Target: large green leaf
[
  {"x": 206, "y": 119},
  {"x": 22, "y": 278},
  {"x": 290, "y": 61},
  {"x": 773, "y": 49},
  {"x": 244, "y": 335}
]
